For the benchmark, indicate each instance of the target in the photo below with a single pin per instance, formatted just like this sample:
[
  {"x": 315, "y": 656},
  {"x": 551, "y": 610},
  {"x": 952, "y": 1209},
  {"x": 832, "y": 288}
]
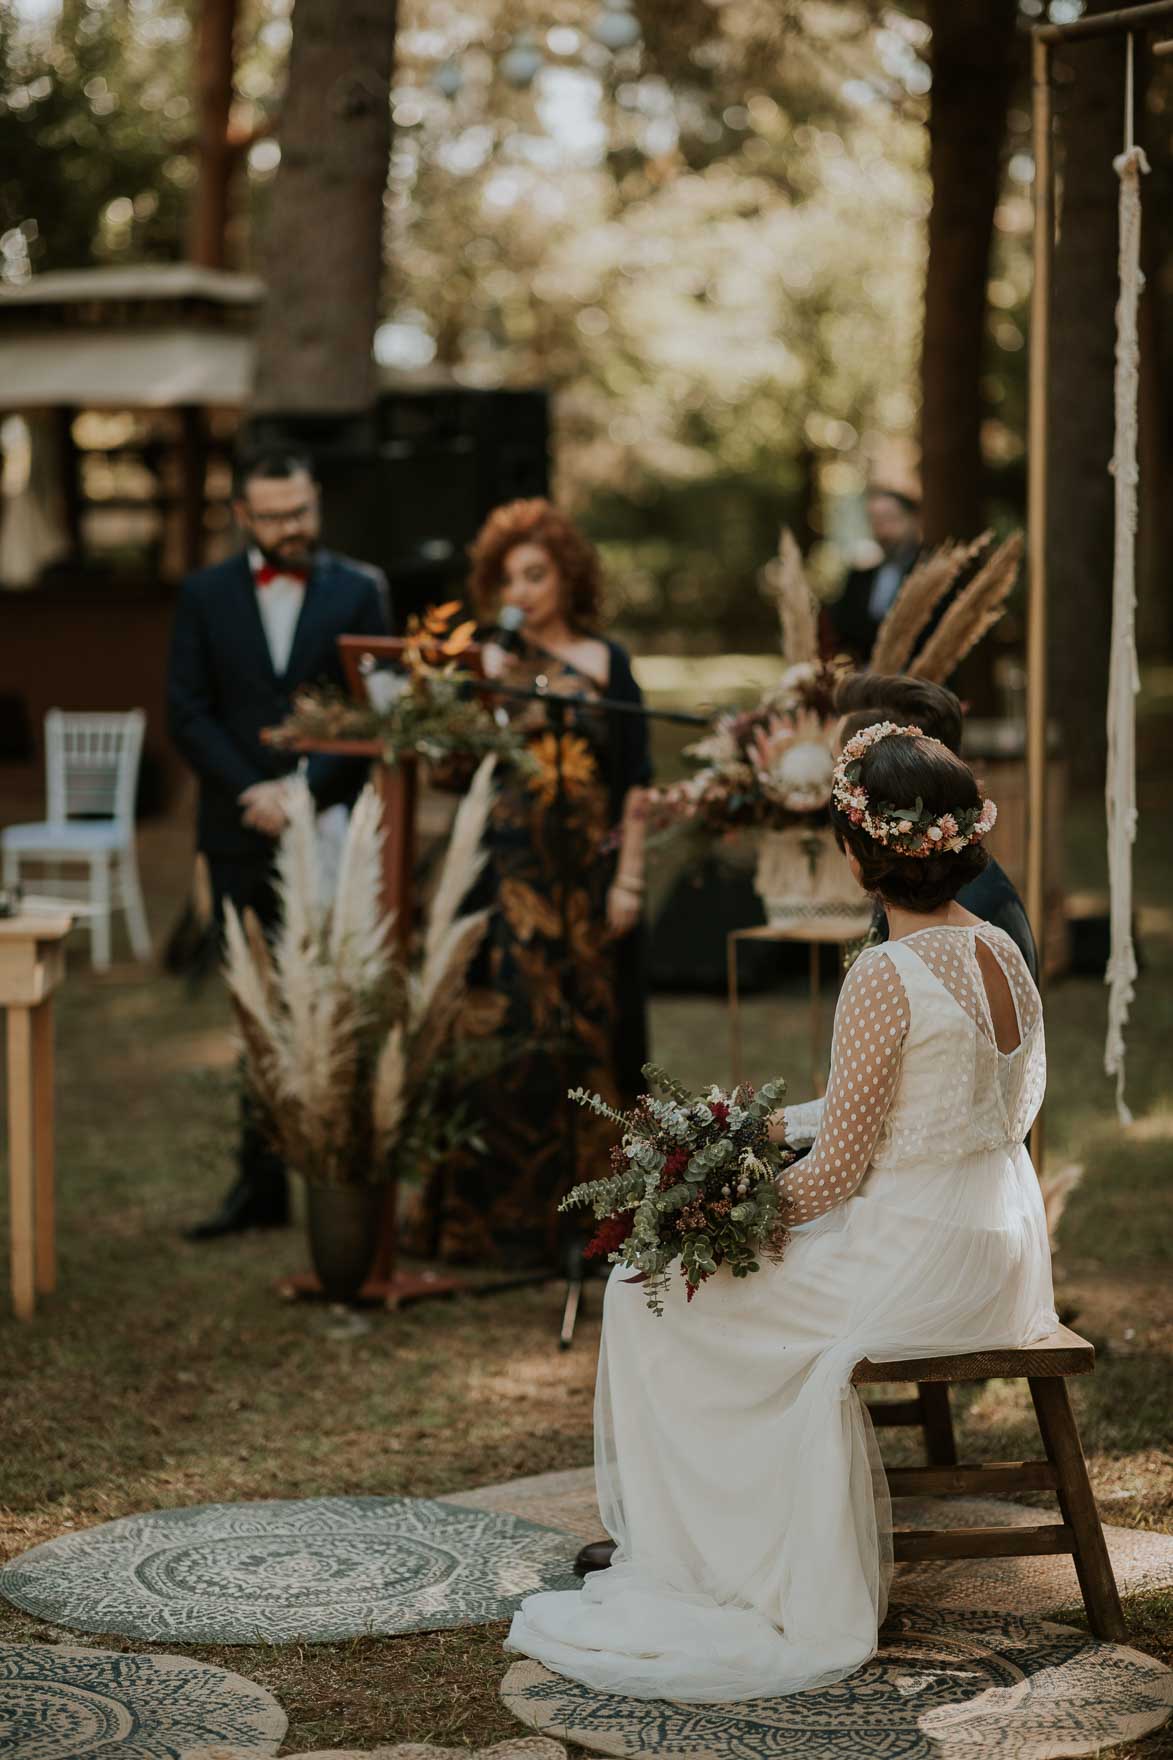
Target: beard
[{"x": 289, "y": 552}]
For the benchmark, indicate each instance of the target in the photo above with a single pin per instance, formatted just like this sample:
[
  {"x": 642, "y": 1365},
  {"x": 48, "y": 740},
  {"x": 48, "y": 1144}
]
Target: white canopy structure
[{"x": 154, "y": 337}]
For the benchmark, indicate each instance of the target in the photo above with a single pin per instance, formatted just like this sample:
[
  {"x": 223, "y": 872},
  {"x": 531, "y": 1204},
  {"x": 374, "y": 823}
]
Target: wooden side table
[
  {"x": 817, "y": 937},
  {"x": 32, "y": 964}
]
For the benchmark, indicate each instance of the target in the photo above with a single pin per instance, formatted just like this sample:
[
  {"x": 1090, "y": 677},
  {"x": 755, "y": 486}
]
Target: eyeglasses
[{"x": 296, "y": 516}]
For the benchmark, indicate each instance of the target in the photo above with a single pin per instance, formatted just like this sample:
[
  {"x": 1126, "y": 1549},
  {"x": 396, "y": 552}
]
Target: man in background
[
  {"x": 248, "y": 634},
  {"x": 868, "y": 593}
]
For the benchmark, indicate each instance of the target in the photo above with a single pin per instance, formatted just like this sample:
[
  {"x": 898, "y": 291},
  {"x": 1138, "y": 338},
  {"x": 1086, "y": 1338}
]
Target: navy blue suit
[{"x": 222, "y": 689}]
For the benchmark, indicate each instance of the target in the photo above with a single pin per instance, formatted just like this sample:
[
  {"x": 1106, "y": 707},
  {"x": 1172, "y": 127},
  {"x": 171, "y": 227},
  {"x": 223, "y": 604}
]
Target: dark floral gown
[{"x": 567, "y": 1012}]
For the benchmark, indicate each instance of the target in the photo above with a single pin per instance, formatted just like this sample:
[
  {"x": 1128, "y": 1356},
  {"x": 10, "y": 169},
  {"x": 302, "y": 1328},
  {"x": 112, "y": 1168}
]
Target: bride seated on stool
[{"x": 736, "y": 1466}]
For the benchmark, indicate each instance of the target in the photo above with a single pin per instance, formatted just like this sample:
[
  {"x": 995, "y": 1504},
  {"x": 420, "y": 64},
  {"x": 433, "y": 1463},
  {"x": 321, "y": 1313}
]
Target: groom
[
  {"x": 914, "y": 702},
  {"x": 248, "y": 634}
]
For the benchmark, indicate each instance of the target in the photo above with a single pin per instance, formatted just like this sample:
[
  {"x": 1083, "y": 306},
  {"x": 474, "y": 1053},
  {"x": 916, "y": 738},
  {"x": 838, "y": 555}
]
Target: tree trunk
[
  {"x": 322, "y": 255},
  {"x": 972, "y": 62},
  {"x": 1089, "y": 85},
  {"x": 216, "y": 159}
]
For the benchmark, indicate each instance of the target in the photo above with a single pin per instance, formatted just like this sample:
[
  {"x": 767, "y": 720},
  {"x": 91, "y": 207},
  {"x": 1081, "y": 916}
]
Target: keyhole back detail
[
  {"x": 986, "y": 975},
  {"x": 1003, "y": 1013}
]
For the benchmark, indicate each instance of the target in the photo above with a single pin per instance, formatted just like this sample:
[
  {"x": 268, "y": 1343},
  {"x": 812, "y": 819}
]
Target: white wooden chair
[{"x": 91, "y": 769}]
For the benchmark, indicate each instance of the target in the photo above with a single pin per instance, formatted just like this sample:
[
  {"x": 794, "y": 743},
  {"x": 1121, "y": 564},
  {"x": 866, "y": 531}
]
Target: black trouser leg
[{"x": 258, "y": 1197}]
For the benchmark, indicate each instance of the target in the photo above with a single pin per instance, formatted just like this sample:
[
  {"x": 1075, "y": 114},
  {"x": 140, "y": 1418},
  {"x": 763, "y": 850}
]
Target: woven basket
[{"x": 804, "y": 882}]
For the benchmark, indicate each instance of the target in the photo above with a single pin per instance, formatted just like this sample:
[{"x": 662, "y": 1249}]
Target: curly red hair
[{"x": 537, "y": 522}]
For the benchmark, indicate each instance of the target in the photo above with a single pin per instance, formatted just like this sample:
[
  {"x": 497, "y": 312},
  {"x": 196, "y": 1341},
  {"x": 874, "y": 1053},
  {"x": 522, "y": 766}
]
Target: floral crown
[{"x": 907, "y": 831}]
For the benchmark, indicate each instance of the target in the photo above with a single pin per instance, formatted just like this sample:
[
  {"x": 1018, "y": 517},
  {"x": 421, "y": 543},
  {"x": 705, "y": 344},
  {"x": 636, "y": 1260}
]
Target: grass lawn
[{"x": 166, "y": 1374}]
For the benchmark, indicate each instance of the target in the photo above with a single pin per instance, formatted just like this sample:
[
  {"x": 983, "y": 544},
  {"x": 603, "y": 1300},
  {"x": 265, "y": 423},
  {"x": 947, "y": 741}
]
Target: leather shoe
[
  {"x": 595, "y": 1557},
  {"x": 245, "y": 1207}
]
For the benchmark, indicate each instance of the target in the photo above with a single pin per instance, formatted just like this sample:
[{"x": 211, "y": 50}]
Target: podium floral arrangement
[
  {"x": 345, "y": 1038},
  {"x": 428, "y": 709},
  {"x": 694, "y": 1178},
  {"x": 770, "y": 766}
]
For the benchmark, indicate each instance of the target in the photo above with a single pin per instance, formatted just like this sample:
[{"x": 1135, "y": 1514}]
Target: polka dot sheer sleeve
[{"x": 871, "y": 1022}]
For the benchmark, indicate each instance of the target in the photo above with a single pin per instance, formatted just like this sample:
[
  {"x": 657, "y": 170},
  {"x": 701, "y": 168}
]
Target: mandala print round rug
[
  {"x": 945, "y": 1686},
  {"x": 314, "y": 1571},
  {"x": 66, "y": 1704}
]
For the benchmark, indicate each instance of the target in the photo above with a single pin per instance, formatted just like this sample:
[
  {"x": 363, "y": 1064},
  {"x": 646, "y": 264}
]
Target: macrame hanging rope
[{"x": 1123, "y": 672}]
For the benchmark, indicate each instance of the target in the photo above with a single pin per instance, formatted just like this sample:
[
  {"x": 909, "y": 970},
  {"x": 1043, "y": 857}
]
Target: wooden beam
[
  {"x": 981, "y": 1481},
  {"x": 914, "y": 1545},
  {"x": 1106, "y": 24}
]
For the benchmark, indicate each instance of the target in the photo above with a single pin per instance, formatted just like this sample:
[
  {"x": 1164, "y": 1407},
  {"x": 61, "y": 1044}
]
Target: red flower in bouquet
[{"x": 609, "y": 1236}]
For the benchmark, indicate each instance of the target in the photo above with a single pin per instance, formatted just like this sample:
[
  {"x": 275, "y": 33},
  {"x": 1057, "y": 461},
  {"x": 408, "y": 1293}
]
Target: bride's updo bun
[{"x": 898, "y": 770}]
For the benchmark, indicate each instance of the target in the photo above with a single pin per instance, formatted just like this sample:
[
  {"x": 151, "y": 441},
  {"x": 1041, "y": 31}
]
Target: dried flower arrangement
[{"x": 344, "y": 1038}]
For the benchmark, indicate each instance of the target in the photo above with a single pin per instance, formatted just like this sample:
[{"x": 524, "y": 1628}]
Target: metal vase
[{"x": 344, "y": 1223}]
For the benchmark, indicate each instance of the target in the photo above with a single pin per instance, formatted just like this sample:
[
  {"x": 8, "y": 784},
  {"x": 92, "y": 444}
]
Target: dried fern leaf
[
  {"x": 359, "y": 927},
  {"x": 920, "y": 593},
  {"x": 262, "y": 957},
  {"x": 246, "y": 977},
  {"x": 464, "y": 859},
  {"x": 389, "y": 1093},
  {"x": 797, "y": 610},
  {"x": 435, "y": 1011},
  {"x": 974, "y": 611}
]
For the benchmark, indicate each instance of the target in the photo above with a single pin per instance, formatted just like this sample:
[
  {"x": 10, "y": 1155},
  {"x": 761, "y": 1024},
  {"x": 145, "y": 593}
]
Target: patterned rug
[
  {"x": 515, "y": 1748},
  {"x": 944, "y": 1686},
  {"x": 314, "y": 1571},
  {"x": 1143, "y": 1562},
  {"x": 66, "y": 1704}
]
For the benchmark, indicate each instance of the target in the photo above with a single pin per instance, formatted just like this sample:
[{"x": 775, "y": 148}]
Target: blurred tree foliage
[
  {"x": 710, "y": 244},
  {"x": 93, "y": 120},
  {"x": 97, "y": 125}
]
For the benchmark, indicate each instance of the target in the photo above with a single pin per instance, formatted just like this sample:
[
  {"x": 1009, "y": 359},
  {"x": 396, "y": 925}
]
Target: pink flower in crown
[
  {"x": 904, "y": 827},
  {"x": 934, "y": 834},
  {"x": 949, "y": 826},
  {"x": 855, "y": 814}
]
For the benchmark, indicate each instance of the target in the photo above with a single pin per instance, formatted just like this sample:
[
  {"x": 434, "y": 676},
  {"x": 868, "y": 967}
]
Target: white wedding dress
[{"x": 735, "y": 1463}]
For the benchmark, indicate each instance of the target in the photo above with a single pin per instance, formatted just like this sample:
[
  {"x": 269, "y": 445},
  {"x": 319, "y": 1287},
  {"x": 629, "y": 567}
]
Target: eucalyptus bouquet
[{"x": 693, "y": 1178}]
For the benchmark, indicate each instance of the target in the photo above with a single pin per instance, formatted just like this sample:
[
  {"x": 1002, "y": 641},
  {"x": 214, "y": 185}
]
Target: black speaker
[
  {"x": 409, "y": 486},
  {"x": 445, "y": 460}
]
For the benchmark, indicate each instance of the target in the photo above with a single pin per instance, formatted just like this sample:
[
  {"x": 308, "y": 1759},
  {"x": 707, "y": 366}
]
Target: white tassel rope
[{"x": 1123, "y": 672}]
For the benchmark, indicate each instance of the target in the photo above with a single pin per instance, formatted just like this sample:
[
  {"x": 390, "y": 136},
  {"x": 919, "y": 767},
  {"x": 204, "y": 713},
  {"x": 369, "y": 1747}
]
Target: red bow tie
[{"x": 267, "y": 573}]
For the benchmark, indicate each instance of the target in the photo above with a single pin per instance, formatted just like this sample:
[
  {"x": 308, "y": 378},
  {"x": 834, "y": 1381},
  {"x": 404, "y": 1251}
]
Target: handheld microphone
[{"x": 506, "y": 632}]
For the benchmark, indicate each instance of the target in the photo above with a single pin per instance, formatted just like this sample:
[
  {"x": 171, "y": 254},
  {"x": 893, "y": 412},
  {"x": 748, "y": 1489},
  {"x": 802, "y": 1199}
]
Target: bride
[{"x": 736, "y": 1465}]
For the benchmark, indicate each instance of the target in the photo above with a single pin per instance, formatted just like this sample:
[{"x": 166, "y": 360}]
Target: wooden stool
[{"x": 1045, "y": 1366}]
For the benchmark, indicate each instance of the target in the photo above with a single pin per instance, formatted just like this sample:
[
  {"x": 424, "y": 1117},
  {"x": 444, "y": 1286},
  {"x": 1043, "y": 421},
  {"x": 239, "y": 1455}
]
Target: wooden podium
[{"x": 398, "y": 786}]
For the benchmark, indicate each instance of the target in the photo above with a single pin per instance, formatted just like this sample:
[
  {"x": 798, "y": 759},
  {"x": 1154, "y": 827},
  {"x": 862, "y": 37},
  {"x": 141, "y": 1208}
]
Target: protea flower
[{"x": 794, "y": 761}]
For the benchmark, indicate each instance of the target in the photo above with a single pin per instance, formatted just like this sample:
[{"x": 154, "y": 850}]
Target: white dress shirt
[{"x": 279, "y": 602}]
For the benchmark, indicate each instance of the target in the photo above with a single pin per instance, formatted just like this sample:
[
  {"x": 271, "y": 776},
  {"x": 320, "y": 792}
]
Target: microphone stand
[{"x": 558, "y": 711}]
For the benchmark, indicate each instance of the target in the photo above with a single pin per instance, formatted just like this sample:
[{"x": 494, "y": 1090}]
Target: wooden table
[{"x": 32, "y": 964}]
